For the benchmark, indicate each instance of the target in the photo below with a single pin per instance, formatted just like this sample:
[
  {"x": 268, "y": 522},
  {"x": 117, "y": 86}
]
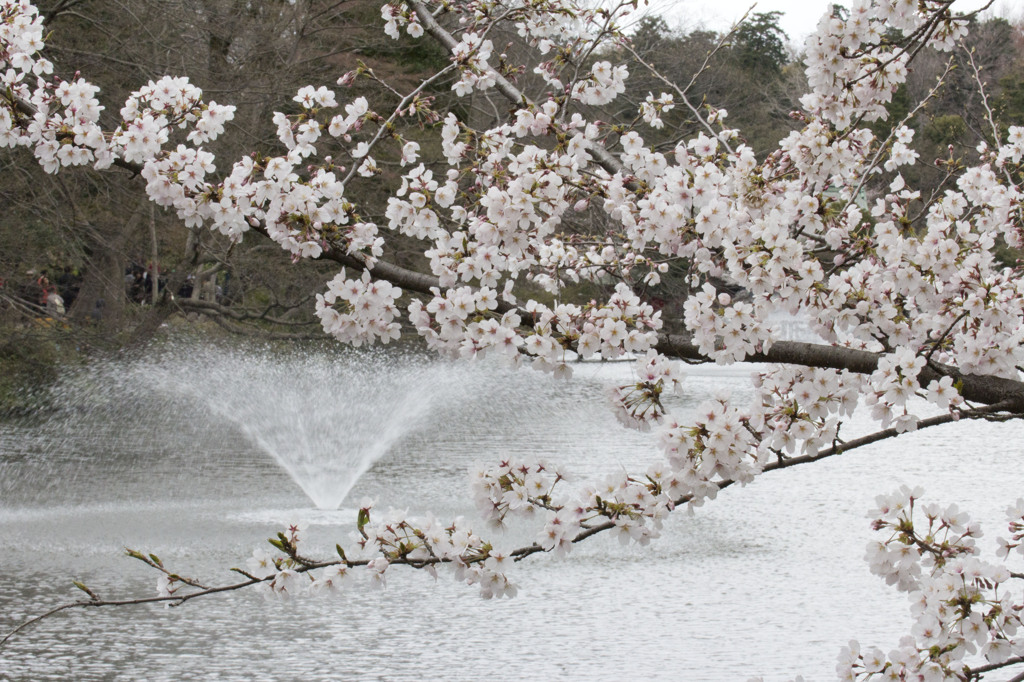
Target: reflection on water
[{"x": 744, "y": 587}]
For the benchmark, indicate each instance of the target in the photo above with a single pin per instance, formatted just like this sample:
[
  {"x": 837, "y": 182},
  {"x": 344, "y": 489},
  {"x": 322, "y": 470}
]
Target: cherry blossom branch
[
  {"x": 981, "y": 389},
  {"x": 28, "y": 110},
  {"x": 884, "y": 434},
  {"x": 884, "y": 145},
  {"x": 918, "y": 39},
  {"x": 723, "y": 219},
  {"x": 682, "y": 92},
  {"x": 513, "y": 94},
  {"x": 385, "y": 127},
  {"x": 990, "y": 116},
  {"x": 942, "y": 337},
  {"x": 976, "y": 673},
  {"x": 172, "y": 600},
  {"x": 257, "y": 332},
  {"x": 176, "y": 599},
  {"x": 237, "y": 313},
  {"x": 786, "y": 463}
]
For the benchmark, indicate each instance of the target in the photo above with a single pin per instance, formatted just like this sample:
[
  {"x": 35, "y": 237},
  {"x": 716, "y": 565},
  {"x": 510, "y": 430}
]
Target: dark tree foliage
[
  {"x": 748, "y": 73},
  {"x": 760, "y": 44}
]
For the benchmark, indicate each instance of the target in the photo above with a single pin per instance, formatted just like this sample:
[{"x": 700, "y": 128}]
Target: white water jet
[{"x": 326, "y": 418}]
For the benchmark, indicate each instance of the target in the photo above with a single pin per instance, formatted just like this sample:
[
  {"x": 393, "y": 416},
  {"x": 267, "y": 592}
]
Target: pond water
[{"x": 767, "y": 580}]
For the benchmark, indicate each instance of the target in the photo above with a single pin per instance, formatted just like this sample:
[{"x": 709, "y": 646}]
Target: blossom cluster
[
  {"x": 803, "y": 409},
  {"x": 639, "y": 405},
  {"x": 962, "y": 605},
  {"x": 633, "y": 507},
  {"x": 466, "y": 322},
  {"x": 358, "y": 311},
  {"x": 893, "y": 384},
  {"x": 872, "y": 68},
  {"x": 652, "y": 108},
  {"x": 397, "y": 16},
  {"x": 606, "y": 82},
  {"x": 724, "y": 329},
  {"x": 475, "y": 562},
  {"x": 471, "y": 54},
  {"x": 64, "y": 129},
  {"x": 722, "y": 444}
]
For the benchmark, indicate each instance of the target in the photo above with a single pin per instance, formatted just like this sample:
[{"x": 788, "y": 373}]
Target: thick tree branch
[
  {"x": 244, "y": 330},
  {"x": 976, "y": 673},
  {"x": 988, "y": 390}
]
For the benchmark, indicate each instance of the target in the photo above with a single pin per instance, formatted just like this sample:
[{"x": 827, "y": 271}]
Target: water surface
[{"x": 767, "y": 580}]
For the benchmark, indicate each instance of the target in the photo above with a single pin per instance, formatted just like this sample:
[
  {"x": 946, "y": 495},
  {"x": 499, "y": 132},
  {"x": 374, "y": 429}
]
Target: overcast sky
[{"x": 800, "y": 19}]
